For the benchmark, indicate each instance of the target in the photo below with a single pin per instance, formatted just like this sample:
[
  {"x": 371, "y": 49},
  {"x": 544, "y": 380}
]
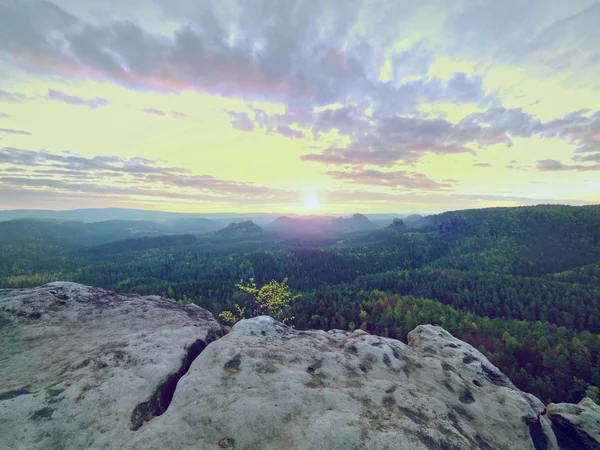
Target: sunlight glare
[{"x": 311, "y": 201}]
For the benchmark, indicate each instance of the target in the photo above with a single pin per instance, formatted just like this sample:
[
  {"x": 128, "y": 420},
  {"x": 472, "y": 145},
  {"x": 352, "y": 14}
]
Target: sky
[{"x": 305, "y": 106}]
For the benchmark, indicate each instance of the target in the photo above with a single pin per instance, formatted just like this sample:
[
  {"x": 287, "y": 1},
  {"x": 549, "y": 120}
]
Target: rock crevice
[{"x": 158, "y": 404}]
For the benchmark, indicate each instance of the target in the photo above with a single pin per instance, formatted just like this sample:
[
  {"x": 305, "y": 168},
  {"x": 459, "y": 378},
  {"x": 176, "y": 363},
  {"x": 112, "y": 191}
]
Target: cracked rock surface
[
  {"x": 577, "y": 426},
  {"x": 82, "y": 367},
  {"x": 75, "y": 361},
  {"x": 266, "y": 386}
]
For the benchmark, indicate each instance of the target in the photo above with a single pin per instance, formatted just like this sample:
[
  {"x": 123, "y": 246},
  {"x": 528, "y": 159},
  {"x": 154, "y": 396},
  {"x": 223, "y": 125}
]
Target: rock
[
  {"x": 576, "y": 426},
  {"x": 87, "y": 368},
  {"x": 398, "y": 225},
  {"x": 267, "y": 386},
  {"x": 75, "y": 363}
]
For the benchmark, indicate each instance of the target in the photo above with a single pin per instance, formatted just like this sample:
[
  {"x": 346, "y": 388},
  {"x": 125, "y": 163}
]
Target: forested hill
[
  {"x": 511, "y": 221},
  {"x": 522, "y": 284},
  {"x": 523, "y": 241}
]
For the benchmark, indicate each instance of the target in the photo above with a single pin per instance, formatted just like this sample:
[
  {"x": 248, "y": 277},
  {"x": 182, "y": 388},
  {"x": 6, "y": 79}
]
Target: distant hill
[
  {"x": 94, "y": 233},
  {"x": 308, "y": 225},
  {"x": 358, "y": 222},
  {"x": 192, "y": 225},
  {"x": 74, "y": 232},
  {"x": 104, "y": 214},
  {"x": 242, "y": 229}
]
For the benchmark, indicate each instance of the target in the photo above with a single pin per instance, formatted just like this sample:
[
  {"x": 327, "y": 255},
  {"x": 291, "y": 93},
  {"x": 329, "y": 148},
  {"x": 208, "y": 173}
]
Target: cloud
[
  {"x": 11, "y": 131},
  {"x": 394, "y": 179},
  {"x": 113, "y": 175},
  {"x": 11, "y": 97},
  {"x": 482, "y": 164},
  {"x": 566, "y": 45},
  {"x": 500, "y": 122},
  {"x": 154, "y": 112},
  {"x": 301, "y": 55},
  {"x": 92, "y": 103},
  {"x": 241, "y": 121},
  {"x": 71, "y": 161},
  {"x": 4, "y": 115},
  {"x": 403, "y": 139},
  {"x": 594, "y": 157},
  {"x": 553, "y": 165},
  {"x": 347, "y": 119},
  {"x": 289, "y": 133},
  {"x": 271, "y": 124},
  {"x": 391, "y": 140},
  {"x": 581, "y": 128},
  {"x": 161, "y": 113}
]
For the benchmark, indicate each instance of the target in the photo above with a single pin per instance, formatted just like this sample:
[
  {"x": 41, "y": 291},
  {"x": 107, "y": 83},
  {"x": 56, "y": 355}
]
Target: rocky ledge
[{"x": 81, "y": 367}]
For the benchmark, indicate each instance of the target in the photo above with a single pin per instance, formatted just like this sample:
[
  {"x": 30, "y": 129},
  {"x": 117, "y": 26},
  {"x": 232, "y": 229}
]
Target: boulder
[
  {"x": 267, "y": 386},
  {"x": 576, "y": 426},
  {"x": 81, "y": 367}
]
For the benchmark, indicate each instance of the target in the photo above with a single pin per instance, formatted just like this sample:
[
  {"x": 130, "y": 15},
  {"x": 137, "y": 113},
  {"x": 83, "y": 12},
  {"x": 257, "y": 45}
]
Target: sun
[{"x": 311, "y": 201}]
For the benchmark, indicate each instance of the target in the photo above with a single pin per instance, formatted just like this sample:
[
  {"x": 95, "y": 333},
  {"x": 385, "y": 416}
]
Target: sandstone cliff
[{"x": 81, "y": 367}]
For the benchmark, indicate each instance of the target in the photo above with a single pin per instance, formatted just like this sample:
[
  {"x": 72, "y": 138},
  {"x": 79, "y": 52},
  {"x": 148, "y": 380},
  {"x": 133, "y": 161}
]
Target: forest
[{"x": 520, "y": 284}]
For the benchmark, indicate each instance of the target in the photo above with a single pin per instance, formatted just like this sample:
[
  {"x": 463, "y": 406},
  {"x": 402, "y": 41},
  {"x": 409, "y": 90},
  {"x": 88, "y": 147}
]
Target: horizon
[
  {"x": 303, "y": 108},
  {"x": 280, "y": 214}
]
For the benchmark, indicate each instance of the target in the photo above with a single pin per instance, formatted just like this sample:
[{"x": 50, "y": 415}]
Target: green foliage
[
  {"x": 272, "y": 299},
  {"x": 593, "y": 393},
  {"x": 231, "y": 318}
]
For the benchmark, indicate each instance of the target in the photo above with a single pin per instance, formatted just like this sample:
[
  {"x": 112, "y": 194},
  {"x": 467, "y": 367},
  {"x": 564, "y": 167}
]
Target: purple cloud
[
  {"x": 11, "y": 131},
  {"x": 289, "y": 133},
  {"x": 92, "y": 103},
  {"x": 594, "y": 157},
  {"x": 155, "y": 112},
  {"x": 581, "y": 128},
  {"x": 241, "y": 121},
  {"x": 553, "y": 165},
  {"x": 11, "y": 97},
  {"x": 72, "y": 161},
  {"x": 395, "y": 179}
]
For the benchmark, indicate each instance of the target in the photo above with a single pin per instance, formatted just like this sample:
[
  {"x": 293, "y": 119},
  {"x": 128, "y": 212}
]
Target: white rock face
[
  {"x": 266, "y": 386},
  {"x": 576, "y": 425},
  {"x": 75, "y": 362},
  {"x": 81, "y": 367}
]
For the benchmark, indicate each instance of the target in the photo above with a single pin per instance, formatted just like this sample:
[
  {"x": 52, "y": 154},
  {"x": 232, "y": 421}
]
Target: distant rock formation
[
  {"x": 86, "y": 368},
  {"x": 398, "y": 226},
  {"x": 242, "y": 229},
  {"x": 305, "y": 225},
  {"x": 412, "y": 218}
]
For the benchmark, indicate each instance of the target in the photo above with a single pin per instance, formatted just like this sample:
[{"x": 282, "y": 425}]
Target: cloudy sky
[{"x": 299, "y": 105}]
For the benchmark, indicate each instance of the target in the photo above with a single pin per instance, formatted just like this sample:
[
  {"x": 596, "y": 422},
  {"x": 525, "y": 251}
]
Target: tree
[
  {"x": 593, "y": 392},
  {"x": 272, "y": 299}
]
